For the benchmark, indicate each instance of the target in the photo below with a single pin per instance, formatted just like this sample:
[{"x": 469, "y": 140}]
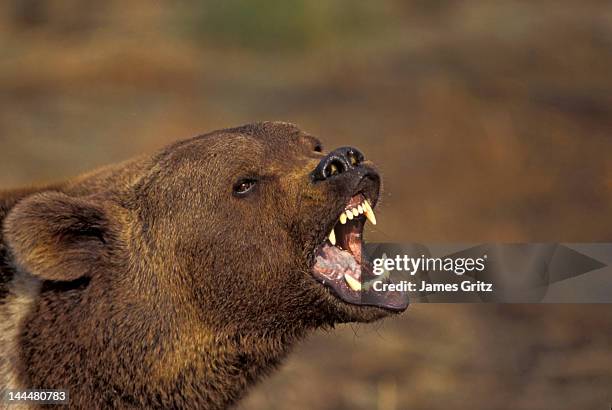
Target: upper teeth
[
  {"x": 348, "y": 214},
  {"x": 362, "y": 208},
  {"x": 369, "y": 213}
]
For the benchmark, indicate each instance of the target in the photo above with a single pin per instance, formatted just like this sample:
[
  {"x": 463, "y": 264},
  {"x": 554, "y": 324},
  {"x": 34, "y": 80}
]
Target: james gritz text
[{"x": 423, "y": 286}]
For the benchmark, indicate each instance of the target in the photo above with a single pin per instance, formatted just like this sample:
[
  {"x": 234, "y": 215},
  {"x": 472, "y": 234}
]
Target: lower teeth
[{"x": 352, "y": 282}]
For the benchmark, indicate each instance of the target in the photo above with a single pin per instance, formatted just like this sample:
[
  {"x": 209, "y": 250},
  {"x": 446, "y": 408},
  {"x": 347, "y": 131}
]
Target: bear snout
[{"x": 338, "y": 162}]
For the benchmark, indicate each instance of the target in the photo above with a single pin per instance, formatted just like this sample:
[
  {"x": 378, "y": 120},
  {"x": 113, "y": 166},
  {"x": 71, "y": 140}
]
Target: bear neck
[
  {"x": 223, "y": 367},
  {"x": 133, "y": 361}
]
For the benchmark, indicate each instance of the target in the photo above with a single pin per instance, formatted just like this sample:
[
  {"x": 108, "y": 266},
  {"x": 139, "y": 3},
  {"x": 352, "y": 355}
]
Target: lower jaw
[
  {"x": 359, "y": 310},
  {"x": 332, "y": 276}
]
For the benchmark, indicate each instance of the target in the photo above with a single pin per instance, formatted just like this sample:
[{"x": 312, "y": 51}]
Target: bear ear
[{"x": 57, "y": 237}]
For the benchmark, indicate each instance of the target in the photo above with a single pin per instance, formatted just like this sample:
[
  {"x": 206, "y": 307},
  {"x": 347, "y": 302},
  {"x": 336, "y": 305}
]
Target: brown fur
[{"x": 148, "y": 284}]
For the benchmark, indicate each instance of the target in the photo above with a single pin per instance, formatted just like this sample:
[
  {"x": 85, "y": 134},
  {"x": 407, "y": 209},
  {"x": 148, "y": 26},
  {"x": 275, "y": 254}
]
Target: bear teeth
[
  {"x": 332, "y": 237},
  {"x": 363, "y": 208},
  {"x": 369, "y": 212},
  {"x": 352, "y": 282}
]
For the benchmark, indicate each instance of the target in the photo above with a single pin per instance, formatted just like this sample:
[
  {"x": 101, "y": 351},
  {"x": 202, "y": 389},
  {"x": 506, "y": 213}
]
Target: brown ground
[{"x": 490, "y": 121}]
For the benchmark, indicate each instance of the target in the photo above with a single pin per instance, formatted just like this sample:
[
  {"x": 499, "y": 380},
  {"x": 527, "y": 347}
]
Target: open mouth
[{"x": 341, "y": 264}]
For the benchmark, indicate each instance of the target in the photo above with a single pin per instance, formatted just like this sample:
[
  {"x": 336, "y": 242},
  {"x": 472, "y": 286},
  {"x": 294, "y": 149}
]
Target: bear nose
[{"x": 337, "y": 162}]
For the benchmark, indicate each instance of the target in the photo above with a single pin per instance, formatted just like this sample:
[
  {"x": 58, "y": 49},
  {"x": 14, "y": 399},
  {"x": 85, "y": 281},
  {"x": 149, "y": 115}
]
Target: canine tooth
[
  {"x": 349, "y": 214},
  {"x": 332, "y": 237},
  {"x": 369, "y": 213},
  {"x": 352, "y": 282},
  {"x": 343, "y": 218},
  {"x": 355, "y": 212},
  {"x": 359, "y": 209}
]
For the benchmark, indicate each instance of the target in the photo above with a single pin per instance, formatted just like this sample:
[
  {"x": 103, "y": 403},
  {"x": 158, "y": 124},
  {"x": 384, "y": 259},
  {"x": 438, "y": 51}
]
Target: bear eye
[{"x": 244, "y": 186}]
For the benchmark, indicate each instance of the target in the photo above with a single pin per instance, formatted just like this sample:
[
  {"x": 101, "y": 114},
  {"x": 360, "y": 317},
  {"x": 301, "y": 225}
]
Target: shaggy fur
[{"x": 149, "y": 284}]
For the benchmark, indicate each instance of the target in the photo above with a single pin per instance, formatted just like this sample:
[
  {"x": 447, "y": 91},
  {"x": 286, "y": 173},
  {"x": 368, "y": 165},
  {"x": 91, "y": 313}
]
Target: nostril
[
  {"x": 337, "y": 162},
  {"x": 334, "y": 167},
  {"x": 355, "y": 157}
]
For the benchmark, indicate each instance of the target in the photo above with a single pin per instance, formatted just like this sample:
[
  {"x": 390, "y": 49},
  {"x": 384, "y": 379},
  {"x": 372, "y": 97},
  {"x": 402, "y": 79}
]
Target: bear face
[
  {"x": 179, "y": 278},
  {"x": 258, "y": 242}
]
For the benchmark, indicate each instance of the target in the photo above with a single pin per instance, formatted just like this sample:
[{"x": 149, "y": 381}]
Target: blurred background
[{"x": 490, "y": 120}]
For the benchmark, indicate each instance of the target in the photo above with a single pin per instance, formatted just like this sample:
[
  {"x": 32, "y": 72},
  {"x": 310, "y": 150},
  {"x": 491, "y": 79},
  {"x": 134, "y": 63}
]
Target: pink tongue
[{"x": 333, "y": 263}]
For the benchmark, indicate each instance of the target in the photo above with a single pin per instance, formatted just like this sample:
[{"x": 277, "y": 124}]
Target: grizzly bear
[{"x": 177, "y": 280}]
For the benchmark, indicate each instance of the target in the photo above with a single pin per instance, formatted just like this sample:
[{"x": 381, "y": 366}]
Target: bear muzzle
[{"x": 340, "y": 263}]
